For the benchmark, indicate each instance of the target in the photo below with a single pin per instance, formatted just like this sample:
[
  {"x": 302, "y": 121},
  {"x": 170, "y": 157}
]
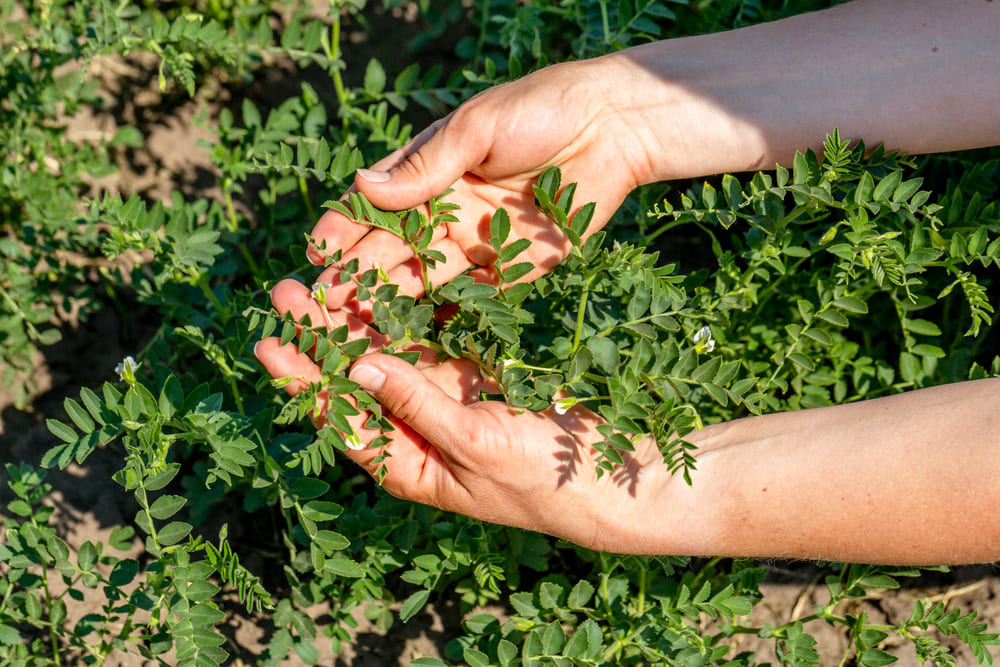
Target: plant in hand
[{"x": 852, "y": 275}]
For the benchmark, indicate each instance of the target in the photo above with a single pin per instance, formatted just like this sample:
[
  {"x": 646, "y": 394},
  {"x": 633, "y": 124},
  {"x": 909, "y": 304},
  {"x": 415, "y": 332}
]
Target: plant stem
[
  {"x": 234, "y": 227},
  {"x": 236, "y": 394},
  {"x": 605, "y": 23},
  {"x": 581, "y": 313},
  {"x": 53, "y": 636},
  {"x": 203, "y": 284},
  {"x": 336, "y": 65},
  {"x": 304, "y": 189}
]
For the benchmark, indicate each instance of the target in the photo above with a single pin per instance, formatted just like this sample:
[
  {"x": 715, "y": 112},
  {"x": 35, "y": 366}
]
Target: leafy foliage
[{"x": 854, "y": 274}]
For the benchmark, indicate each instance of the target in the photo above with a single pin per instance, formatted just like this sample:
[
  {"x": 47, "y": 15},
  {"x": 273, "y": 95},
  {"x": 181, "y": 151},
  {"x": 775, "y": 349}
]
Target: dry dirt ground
[{"x": 89, "y": 504}]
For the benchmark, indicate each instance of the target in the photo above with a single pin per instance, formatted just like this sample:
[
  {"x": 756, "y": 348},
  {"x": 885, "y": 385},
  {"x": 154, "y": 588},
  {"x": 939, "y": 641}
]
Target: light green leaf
[
  {"x": 173, "y": 532},
  {"x": 344, "y": 567},
  {"x": 166, "y": 506}
]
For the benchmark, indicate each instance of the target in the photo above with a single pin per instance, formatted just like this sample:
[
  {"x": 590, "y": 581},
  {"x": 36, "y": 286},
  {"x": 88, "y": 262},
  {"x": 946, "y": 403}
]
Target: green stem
[
  {"x": 203, "y": 284},
  {"x": 289, "y": 542},
  {"x": 483, "y": 27},
  {"x": 53, "y": 635},
  {"x": 581, "y": 313},
  {"x": 236, "y": 394},
  {"x": 665, "y": 228},
  {"x": 338, "y": 81},
  {"x": 303, "y": 188},
  {"x": 234, "y": 227},
  {"x": 641, "y": 600},
  {"x": 605, "y": 22}
]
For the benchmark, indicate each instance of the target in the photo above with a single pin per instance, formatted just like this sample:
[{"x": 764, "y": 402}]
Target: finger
[
  {"x": 446, "y": 150},
  {"x": 333, "y": 231},
  {"x": 415, "y": 400},
  {"x": 292, "y": 297},
  {"x": 460, "y": 379},
  {"x": 414, "y": 469},
  {"x": 285, "y": 361},
  {"x": 379, "y": 247},
  {"x": 341, "y": 233},
  {"x": 410, "y": 277}
]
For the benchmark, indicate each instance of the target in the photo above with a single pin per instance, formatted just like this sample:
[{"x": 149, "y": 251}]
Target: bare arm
[
  {"x": 907, "y": 479},
  {"x": 918, "y": 75}
]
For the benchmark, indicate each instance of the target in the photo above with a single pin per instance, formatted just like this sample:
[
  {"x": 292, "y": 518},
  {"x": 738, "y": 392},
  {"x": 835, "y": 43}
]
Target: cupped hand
[
  {"x": 479, "y": 458},
  {"x": 490, "y": 151}
]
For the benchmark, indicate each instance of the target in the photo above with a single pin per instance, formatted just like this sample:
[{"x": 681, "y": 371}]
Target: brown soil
[{"x": 89, "y": 504}]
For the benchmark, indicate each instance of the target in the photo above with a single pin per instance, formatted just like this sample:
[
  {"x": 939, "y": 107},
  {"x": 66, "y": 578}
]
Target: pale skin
[{"x": 909, "y": 479}]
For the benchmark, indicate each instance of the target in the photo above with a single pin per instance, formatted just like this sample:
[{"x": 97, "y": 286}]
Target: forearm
[
  {"x": 917, "y": 75},
  {"x": 907, "y": 479}
]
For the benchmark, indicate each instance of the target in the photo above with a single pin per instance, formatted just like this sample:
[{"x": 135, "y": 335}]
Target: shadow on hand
[{"x": 571, "y": 458}]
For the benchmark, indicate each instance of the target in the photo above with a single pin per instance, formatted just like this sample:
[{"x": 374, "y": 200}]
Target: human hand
[
  {"x": 489, "y": 152},
  {"x": 453, "y": 451}
]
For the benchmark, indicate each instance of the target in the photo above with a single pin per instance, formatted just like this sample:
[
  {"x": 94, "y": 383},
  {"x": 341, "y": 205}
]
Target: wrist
[
  {"x": 684, "y": 106},
  {"x": 643, "y": 508}
]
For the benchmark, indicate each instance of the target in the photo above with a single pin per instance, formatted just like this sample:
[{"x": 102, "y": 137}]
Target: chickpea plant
[{"x": 852, "y": 275}]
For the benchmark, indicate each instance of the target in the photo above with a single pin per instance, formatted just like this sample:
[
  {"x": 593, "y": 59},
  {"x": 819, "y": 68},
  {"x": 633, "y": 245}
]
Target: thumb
[
  {"x": 431, "y": 164},
  {"x": 411, "y": 397}
]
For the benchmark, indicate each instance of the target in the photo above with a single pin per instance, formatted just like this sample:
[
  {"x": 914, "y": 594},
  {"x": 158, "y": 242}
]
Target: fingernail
[
  {"x": 369, "y": 377},
  {"x": 256, "y": 347},
  {"x": 373, "y": 176}
]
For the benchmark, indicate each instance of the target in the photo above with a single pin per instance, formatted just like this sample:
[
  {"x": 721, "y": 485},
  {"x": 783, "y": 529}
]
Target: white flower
[
  {"x": 703, "y": 341},
  {"x": 562, "y": 405},
  {"x": 353, "y": 442},
  {"x": 126, "y": 369},
  {"x": 319, "y": 291}
]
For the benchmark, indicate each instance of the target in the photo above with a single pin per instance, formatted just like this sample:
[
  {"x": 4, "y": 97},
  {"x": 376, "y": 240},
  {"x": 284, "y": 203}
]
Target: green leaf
[
  {"x": 19, "y": 507},
  {"x": 475, "y": 658},
  {"x": 887, "y": 186},
  {"x": 851, "y": 304},
  {"x": 161, "y": 479},
  {"x": 578, "y": 645},
  {"x": 319, "y": 510},
  {"x": 925, "y": 350},
  {"x": 833, "y": 317},
  {"x": 875, "y": 657},
  {"x": 87, "y": 556},
  {"x": 499, "y": 229},
  {"x": 330, "y": 541},
  {"x": 514, "y": 249},
  {"x": 819, "y": 336},
  {"x": 123, "y": 572},
  {"x": 344, "y": 567},
  {"x": 906, "y": 190},
  {"x": 413, "y": 604},
  {"x": 166, "y": 506},
  {"x": 581, "y": 594},
  {"x": 605, "y": 353},
  {"x": 517, "y": 271},
  {"x": 706, "y": 371},
  {"x": 62, "y": 431},
  {"x": 173, "y": 532},
  {"x": 79, "y": 415},
  {"x": 922, "y": 327},
  {"x": 306, "y": 651},
  {"x": 9, "y": 636},
  {"x": 374, "y": 77},
  {"x": 802, "y": 360},
  {"x": 581, "y": 220},
  {"x": 307, "y": 488}
]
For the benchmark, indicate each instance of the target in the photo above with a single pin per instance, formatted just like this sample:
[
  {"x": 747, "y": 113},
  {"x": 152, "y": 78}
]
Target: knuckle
[{"x": 407, "y": 403}]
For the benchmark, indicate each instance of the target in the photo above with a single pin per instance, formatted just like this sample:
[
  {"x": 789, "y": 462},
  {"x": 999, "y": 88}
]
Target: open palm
[
  {"x": 479, "y": 458},
  {"x": 490, "y": 152}
]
